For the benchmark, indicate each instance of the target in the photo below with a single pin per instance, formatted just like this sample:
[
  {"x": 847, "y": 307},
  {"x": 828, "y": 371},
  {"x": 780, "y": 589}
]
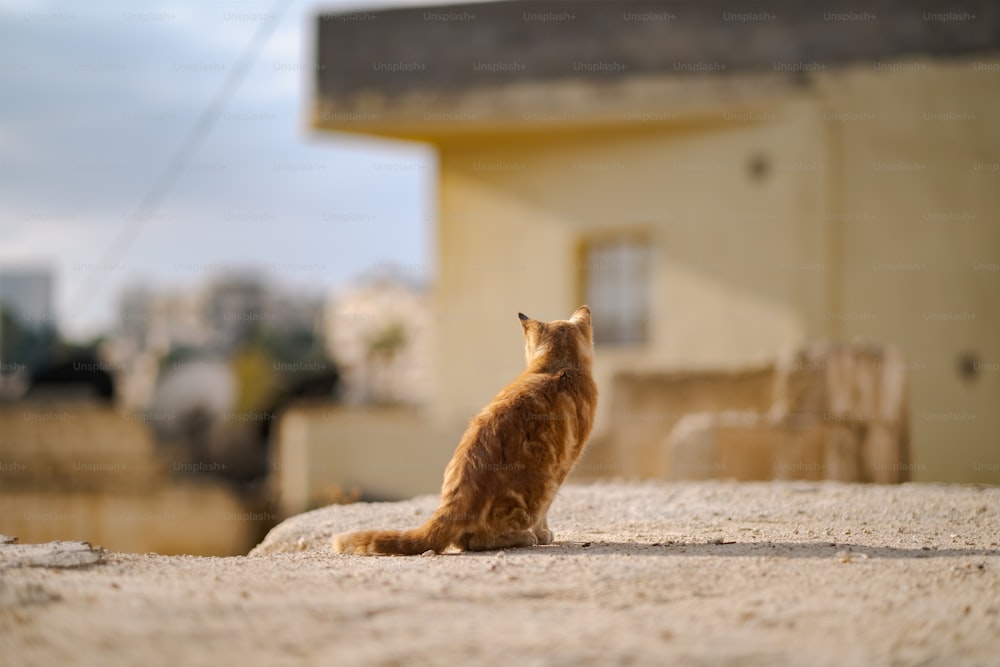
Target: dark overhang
[{"x": 428, "y": 57}]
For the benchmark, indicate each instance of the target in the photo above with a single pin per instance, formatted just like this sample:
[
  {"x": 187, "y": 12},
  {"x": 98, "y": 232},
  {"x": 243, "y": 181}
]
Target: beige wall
[
  {"x": 911, "y": 259},
  {"x": 513, "y": 216},
  {"x": 324, "y": 455},
  {"x": 746, "y": 267}
]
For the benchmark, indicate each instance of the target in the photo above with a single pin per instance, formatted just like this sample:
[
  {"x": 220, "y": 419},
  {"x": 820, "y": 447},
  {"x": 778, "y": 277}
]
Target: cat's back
[
  {"x": 545, "y": 390},
  {"x": 535, "y": 406}
]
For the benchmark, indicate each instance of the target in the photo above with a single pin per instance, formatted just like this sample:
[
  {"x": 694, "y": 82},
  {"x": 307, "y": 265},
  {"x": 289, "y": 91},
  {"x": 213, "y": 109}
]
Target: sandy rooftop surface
[{"x": 644, "y": 573}]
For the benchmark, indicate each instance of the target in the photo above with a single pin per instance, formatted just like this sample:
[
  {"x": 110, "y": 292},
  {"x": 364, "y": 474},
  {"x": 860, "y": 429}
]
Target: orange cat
[{"x": 515, "y": 454}]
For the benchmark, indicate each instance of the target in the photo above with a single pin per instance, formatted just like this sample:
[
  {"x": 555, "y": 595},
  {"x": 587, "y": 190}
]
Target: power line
[{"x": 186, "y": 149}]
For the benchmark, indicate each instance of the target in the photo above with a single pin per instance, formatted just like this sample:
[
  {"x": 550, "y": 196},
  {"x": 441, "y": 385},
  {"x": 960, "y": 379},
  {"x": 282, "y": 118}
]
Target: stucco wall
[
  {"x": 919, "y": 196},
  {"x": 727, "y": 285},
  {"x": 873, "y": 218}
]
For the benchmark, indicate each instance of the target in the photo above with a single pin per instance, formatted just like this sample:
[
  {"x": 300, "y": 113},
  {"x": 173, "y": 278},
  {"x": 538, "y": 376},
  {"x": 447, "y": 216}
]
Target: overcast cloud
[{"x": 95, "y": 98}]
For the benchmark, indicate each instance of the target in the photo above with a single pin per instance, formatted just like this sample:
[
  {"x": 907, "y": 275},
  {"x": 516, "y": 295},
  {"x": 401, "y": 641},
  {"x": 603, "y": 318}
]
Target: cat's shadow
[{"x": 740, "y": 549}]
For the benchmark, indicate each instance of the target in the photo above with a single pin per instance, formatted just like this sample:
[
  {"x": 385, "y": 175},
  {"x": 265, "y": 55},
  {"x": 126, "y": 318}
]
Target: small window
[{"x": 615, "y": 282}]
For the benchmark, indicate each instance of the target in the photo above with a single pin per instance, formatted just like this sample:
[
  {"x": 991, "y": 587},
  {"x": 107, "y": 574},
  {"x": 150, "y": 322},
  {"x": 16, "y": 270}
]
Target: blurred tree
[
  {"x": 256, "y": 379},
  {"x": 387, "y": 341},
  {"x": 383, "y": 346}
]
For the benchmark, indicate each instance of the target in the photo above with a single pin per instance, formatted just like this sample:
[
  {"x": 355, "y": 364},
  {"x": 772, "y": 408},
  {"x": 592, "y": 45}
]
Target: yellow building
[{"x": 717, "y": 183}]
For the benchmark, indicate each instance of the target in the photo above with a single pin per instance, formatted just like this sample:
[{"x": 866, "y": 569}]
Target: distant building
[
  {"x": 378, "y": 332},
  {"x": 151, "y": 324},
  {"x": 25, "y": 338},
  {"x": 214, "y": 319},
  {"x": 161, "y": 321},
  {"x": 234, "y": 307},
  {"x": 27, "y": 294}
]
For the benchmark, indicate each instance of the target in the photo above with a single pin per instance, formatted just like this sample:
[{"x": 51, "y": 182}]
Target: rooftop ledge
[
  {"x": 653, "y": 573},
  {"x": 530, "y": 66}
]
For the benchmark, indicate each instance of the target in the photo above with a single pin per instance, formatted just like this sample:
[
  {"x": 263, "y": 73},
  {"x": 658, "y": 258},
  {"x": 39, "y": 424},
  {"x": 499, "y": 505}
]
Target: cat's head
[{"x": 563, "y": 342}]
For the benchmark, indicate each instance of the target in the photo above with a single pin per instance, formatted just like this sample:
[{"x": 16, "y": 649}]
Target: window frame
[{"x": 634, "y": 235}]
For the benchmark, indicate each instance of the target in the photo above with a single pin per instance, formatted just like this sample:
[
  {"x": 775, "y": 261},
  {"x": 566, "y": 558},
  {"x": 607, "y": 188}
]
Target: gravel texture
[{"x": 706, "y": 573}]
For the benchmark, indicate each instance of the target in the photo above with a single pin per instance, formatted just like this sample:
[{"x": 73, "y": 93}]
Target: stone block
[
  {"x": 645, "y": 407},
  {"x": 857, "y": 392},
  {"x": 728, "y": 445}
]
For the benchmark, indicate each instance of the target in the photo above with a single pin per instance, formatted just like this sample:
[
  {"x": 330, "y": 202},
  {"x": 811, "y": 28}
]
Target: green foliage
[
  {"x": 256, "y": 379},
  {"x": 387, "y": 341}
]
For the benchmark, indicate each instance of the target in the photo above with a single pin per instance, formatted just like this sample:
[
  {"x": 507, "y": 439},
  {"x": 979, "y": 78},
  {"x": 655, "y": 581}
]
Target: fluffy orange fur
[{"x": 515, "y": 454}]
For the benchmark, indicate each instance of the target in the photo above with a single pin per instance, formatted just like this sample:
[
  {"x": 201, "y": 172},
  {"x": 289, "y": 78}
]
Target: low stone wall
[
  {"x": 170, "y": 519},
  {"x": 79, "y": 470},
  {"x": 645, "y": 407},
  {"x": 75, "y": 445},
  {"x": 822, "y": 411}
]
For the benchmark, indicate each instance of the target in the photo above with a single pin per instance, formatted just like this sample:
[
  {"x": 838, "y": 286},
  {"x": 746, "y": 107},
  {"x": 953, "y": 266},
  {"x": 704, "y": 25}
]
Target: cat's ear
[
  {"x": 524, "y": 319},
  {"x": 581, "y": 316}
]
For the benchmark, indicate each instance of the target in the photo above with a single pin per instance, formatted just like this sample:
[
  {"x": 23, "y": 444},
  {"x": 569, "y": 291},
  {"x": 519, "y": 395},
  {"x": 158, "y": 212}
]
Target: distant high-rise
[{"x": 27, "y": 295}]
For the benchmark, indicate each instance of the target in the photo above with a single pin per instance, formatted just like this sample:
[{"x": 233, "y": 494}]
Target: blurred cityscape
[
  {"x": 250, "y": 341},
  {"x": 206, "y": 372}
]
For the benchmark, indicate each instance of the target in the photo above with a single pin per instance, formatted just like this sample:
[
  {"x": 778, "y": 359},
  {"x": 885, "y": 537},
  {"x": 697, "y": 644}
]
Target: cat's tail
[{"x": 440, "y": 531}]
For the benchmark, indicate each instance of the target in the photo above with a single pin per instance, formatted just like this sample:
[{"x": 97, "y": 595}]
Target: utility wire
[{"x": 206, "y": 120}]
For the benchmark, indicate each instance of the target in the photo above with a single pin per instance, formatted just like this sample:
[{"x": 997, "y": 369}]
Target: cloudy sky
[{"x": 98, "y": 98}]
